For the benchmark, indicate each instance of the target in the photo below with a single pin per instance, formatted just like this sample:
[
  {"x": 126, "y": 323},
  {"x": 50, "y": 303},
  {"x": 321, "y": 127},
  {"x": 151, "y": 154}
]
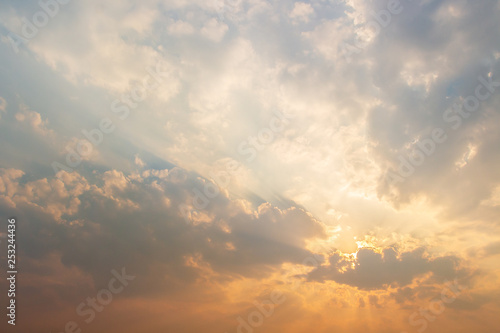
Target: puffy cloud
[
  {"x": 96, "y": 221},
  {"x": 373, "y": 270},
  {"x": 8, "y": 183},
  {"x": 55, "y": 197},
  {"x": 301, "y": 11},
  {"x": 34, "y": 120},
  {"x": 232, "y": 65},
  {"x": 180, "y": 28},
  {"x": 3, "y": 104},
  {"x": 214, "y": 30}
]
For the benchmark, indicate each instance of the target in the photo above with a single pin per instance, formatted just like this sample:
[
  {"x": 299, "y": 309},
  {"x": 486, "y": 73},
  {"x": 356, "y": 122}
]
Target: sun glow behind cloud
[{"x": 274, "y": 146}]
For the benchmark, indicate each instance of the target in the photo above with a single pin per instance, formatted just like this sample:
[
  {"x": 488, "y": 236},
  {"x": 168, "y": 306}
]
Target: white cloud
[
  {"x": 302, "y": 12},
  {"x": 214, "y": 30},
  {"x": 180, "y": 28},
  {"x": 3, "y": 104},
  {"x": 103, "y": 48},
  {"x": 353, "y": 119},
  {"x": 34, "y": 120}
]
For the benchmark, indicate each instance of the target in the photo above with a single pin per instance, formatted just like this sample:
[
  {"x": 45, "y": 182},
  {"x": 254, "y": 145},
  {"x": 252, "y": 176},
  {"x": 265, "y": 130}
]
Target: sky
[{"x": 247, "y": 166}]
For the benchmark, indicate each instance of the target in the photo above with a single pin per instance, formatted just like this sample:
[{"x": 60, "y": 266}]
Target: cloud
[
  {"x": 180, "y": 28},
  {"x": 3, "y": 104},
  {"x": 119, "y": 64},
  {"x": 374, "y": 270},
  {"x": 319, "y": 185},
  {"x": 214, "y": 30},
  {"x": 91, "y": 224},
  {"x": 34, "y": 120},
  {"x": 488, "y": 250},
  {"x": 301, "y": 11}
]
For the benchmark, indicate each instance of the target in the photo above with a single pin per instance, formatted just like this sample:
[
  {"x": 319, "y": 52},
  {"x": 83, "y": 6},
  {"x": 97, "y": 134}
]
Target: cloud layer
[{"x": 380, "y": 184}]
